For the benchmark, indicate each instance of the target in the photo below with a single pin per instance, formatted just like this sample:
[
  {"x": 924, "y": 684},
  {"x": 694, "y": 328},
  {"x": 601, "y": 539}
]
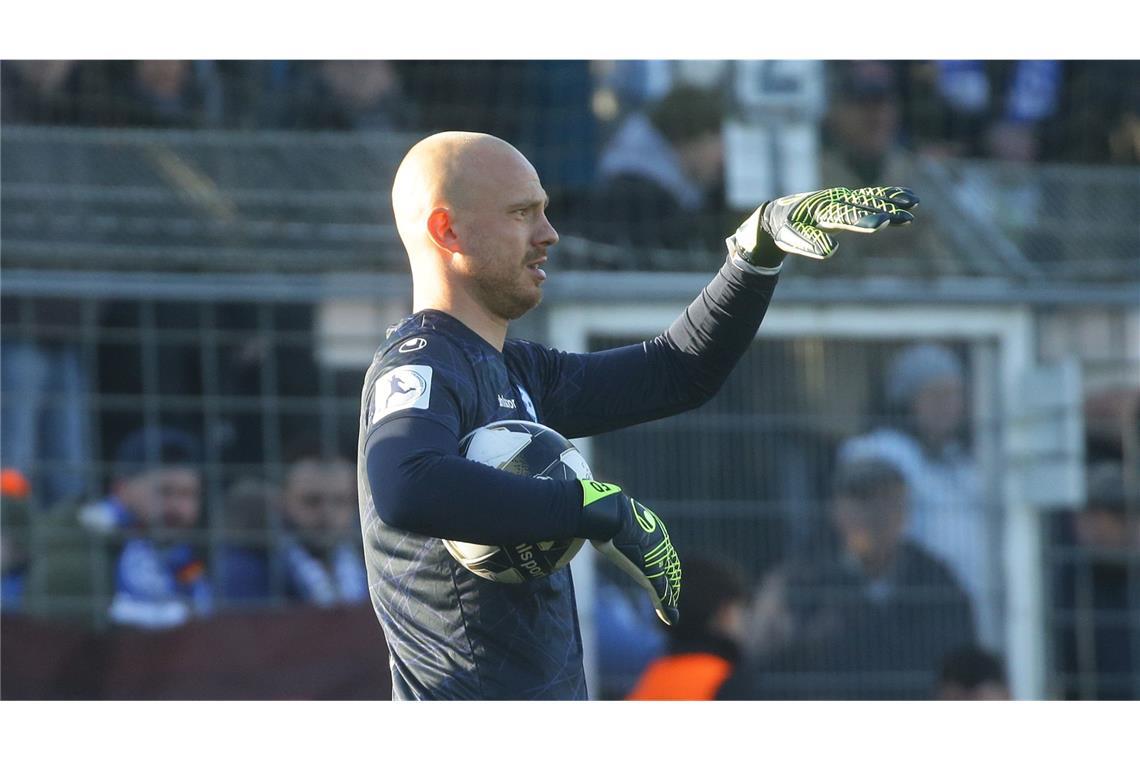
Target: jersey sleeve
[
  {"x": 584, "y": 394},
  {"x": 414, "y": 411},
  {"x": 431, "y": 382}
]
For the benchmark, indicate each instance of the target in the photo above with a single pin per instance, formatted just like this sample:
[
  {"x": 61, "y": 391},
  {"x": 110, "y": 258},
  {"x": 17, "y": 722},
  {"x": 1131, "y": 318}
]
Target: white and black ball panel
[
  {"x": 524, "y": 448},
  {"x": 532, "y": 450},
  {"x": 494, "y": 446}
]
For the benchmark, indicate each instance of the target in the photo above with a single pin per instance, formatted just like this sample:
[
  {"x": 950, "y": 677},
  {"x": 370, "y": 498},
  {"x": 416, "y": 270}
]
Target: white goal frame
[{"x": 1009, "y": 327}]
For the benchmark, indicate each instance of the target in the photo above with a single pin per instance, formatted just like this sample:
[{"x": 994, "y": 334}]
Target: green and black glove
[
  {"x": 637, "y": 542},
  {"x": 800, "y": 223}
]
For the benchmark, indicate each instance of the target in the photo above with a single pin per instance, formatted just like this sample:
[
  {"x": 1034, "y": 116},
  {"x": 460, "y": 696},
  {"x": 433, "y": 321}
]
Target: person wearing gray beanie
[
  {"x": 925, "y": 385},
  {"x": 925, "y": 388},
  {"x": 915, "y": 367}
]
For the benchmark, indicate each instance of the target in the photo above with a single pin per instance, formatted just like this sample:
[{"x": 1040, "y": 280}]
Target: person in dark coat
[
  {"x": 661, "y": 177},
  {"x": 871, "y": 619},
  {"x": 1095, "y": 596}
]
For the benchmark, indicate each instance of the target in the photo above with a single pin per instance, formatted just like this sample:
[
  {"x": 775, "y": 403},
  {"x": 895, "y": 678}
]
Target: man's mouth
[{"x": 536, "y": 267}]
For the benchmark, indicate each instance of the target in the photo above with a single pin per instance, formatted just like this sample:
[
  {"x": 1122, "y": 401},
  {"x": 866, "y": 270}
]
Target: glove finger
[
  {"x": 860, "y": 220},
  {"x": 668, "y": 615},
  {"x": 860, "y": 199},
  {"x": 865, "y": 199},
  {"x": 806, "y": 240},
  {"x": 666, "y": 610},
  {"x": 899, "y": 218},
  {"x": 902, "y": 197},
  {"x": 657, "y": 581}
]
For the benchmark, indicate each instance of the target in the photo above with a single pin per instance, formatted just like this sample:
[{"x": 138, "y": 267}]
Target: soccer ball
[{"x": 524, "y": 448}]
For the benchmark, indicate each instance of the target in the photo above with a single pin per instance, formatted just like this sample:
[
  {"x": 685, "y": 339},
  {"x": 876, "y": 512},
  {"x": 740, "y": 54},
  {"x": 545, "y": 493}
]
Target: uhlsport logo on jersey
[
  {"x": 406, "y": 387},
  {"x": 412, "y": 344}
]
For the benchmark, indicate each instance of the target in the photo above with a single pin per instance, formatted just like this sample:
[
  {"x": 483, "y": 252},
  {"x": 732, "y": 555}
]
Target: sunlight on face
[{"x": 504, "y": 235}]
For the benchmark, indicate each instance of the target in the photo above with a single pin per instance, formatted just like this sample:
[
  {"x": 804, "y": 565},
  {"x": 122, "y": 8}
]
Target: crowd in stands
[
  {"x": 896, "y": 590},
  {"x": 589, "y": 124},
  {"x": 149, "y": 554},
  {"x": 1083, "y": 111},
  {"x": 647, "y": 153},
  {"x": 897, "y": 598},
  {"x": 665, "y": 156}
]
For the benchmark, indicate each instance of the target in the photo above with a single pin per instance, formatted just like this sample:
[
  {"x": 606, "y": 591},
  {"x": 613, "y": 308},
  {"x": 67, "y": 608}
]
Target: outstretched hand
[{"x": 800, "y": 223}]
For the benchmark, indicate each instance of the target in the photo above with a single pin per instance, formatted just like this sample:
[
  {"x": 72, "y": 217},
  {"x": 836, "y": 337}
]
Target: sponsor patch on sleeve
[{"x": 407, "y": 387}]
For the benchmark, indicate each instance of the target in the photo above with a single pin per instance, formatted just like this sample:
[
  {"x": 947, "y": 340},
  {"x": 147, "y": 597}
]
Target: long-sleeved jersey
[{"x": 450, "y": 633}]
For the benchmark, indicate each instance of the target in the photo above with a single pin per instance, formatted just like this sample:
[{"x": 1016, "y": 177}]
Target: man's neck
[
  {"x": 487, "y": 326},
  {"x": 875, "y": 565}
]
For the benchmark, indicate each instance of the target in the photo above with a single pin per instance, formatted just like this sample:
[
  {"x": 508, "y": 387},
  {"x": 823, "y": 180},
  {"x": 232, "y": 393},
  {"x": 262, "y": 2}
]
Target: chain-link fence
[{"x": 219, "y": 279}]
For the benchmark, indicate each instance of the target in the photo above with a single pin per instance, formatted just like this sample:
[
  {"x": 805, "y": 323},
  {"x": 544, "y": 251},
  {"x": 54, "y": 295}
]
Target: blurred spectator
[
  {"x": 14, "y": 491},
  {"x": 37, "y": 92},
  {"x": 51, "y": 92},
  {"x": 972, "y": 673},
  {"x": 661, "y": 177},
  {"x": 44, "y": 395},
  {"x": 1101, "y": 114},
  {"x": 635, "y": 84},
  {"x": 1097, "y": 632},
  {"x": 543, "y": 107},
  {"x": 321, "y": 549},
  {"x": 244, "y": 565},
  {"x": 704, "y": 646},
  {"x": 995, "y": 109},
  {"x": 948, "y": 515},
  {"x": 629, "y": 636},
  {"x": 863, "y": 147},
  {"x": 345, "y": 95},
  {"x": 862, "y": 127},
  {"x": 156, "y": 496},
  {"x": 871, "y": 620},
  {"x": 167, "y": 93},
  {"x": 80, "y": 566}
]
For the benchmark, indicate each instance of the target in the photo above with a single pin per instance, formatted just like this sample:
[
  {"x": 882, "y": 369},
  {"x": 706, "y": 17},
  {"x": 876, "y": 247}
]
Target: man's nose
[{"x": 547, "y": 235}]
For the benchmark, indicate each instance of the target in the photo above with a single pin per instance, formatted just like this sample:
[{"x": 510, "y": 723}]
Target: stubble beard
[{"x": 503, "y": 295}]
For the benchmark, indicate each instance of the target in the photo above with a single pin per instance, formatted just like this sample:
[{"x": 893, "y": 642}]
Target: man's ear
[{"x": 441, "y": 231}]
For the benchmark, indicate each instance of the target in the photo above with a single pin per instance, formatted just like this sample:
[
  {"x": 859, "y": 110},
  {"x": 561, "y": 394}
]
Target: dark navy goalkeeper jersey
[{"x": 450, "y": 633}]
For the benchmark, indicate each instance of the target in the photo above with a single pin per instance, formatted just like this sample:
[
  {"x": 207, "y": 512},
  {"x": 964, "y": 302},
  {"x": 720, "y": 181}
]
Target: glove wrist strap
[
  {"x": 600, "y": 518},
  {"x": 752, "y": 246}
]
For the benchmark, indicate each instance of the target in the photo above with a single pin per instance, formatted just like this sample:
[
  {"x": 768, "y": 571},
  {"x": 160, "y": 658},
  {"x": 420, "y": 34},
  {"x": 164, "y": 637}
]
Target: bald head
[
  {"x": 471, "y": 213},
  {"x": 454, "y": 170}
]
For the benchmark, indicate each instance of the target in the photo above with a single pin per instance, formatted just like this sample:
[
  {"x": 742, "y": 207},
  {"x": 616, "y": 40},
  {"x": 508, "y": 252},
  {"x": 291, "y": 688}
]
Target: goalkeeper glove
[
  {"x": 799, "y": 223},
  {"x": 634, "y": 539}
]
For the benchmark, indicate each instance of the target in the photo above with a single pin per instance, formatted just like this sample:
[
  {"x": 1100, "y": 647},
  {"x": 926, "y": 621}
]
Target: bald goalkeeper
[{"x": 471, "y": 212}]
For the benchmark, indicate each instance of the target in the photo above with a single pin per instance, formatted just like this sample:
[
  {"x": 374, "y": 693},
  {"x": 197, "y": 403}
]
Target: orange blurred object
[
  {"x": 688, "y": 676},
  {"x": 13, "y": 484}
]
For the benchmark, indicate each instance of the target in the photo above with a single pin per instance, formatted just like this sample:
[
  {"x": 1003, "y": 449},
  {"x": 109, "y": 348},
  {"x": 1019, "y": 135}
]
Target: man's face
[
  {"x": 180, "y": 493},
  {"x": 503, "y": 235},
  {"x": 170, "y": 497},
  {"x": 703, "y": 159},
  {"x": 872, "y": 527},
  {"x": 163, "y": 77},
  {"x": 320, "y": 499},
  {"x": 939, "y": 408},
  {"x": 362, "y": 83}
]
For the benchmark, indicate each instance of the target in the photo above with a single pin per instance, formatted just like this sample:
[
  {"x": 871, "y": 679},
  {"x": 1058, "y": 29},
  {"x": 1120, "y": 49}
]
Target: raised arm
[{"x": 680, "y": 369}]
